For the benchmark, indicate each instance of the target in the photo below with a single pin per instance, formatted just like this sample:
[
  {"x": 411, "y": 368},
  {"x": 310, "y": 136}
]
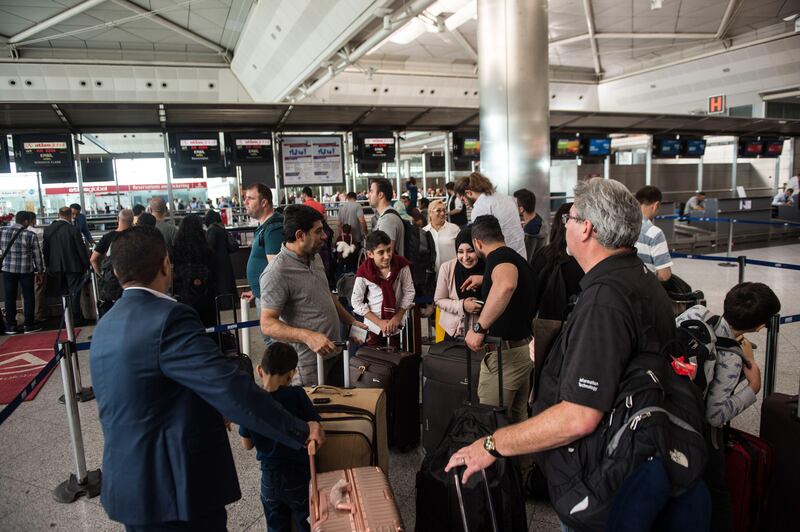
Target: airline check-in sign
[{"x": 717, "y": 104}]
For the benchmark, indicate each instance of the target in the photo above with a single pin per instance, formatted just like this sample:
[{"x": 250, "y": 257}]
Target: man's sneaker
[
  {"x": 13, "y": 330},
  {"x": 33, "y": 329}
]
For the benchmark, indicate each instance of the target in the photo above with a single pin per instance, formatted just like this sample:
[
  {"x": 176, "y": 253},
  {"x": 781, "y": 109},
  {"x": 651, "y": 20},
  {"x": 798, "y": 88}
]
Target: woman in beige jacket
[{"x": 453, "y": 302}]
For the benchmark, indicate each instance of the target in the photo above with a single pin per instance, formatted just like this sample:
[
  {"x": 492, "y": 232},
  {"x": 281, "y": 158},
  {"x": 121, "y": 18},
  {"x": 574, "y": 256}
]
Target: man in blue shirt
[
  {"x": 79, "y": 219},
  {"x": 267, "y": 238}
]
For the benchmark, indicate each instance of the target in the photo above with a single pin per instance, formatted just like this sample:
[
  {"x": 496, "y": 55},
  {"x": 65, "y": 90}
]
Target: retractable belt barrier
[
  {"x": 724, "y": 220},
  {"x": 753, "y": 262}
]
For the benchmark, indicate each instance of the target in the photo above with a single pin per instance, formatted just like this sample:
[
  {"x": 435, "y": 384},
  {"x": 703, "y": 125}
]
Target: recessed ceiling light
[{"x": 726, "y": 69}]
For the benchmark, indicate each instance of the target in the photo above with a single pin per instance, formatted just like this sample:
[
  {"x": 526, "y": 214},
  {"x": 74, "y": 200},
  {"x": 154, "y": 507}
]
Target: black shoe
[
  {"x": 15, "y": 330},
  {"x": 33, "y": 329}
]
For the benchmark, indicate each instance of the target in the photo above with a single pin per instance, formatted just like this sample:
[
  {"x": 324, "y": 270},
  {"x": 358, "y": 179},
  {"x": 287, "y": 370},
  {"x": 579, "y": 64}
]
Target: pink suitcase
[{"x": 363, "y": 503}]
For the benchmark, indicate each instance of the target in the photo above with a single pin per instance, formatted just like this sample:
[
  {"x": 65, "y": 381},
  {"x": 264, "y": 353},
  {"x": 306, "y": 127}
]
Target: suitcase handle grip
[{"x": 312, "y": 450}]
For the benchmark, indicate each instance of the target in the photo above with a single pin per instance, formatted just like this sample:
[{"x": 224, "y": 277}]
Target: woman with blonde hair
[{"x": 444, "y": 233}]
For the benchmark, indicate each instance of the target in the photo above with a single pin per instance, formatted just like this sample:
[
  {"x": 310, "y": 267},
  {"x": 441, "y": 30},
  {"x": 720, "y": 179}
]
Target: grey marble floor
[{"x": 35, "y": 452}]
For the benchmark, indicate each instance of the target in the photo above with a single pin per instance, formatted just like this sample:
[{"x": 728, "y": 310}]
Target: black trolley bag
[
  {"x": 780, "y": 428},
  {"x": 397, "y": 372},
  {"x": 445, "y": 386},
  {"x": 494, "y": 499},
  {"x": 228, "y": 341}
]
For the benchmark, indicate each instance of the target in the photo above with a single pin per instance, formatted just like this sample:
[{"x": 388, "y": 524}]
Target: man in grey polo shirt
[
  {"x": 296, "y": 304},
  {"x": 386, "y": 219}
]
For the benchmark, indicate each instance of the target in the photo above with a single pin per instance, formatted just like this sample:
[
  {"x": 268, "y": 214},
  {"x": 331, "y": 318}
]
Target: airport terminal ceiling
[{"x": 292, "y": 50}]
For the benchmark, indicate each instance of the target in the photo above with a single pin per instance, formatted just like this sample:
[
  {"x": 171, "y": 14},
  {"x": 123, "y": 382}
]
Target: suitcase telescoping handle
[
  {"x": 492, "y": 514},
  {"x": 321, "y": 365},
  {"x": 232, "y": 298},
  {"x": 312, "y": 450}
]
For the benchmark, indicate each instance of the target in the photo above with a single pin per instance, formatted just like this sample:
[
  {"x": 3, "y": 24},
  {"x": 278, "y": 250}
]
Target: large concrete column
[{"x": 514, "y": 88}]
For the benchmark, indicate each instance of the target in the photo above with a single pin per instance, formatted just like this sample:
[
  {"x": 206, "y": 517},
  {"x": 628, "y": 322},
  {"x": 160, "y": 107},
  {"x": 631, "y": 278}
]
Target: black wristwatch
[
  {"x": 489, "y": 446},
  {"x": 476, "y": 328}
]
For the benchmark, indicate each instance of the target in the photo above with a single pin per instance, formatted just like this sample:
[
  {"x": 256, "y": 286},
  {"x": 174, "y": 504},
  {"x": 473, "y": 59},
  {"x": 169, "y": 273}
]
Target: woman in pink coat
[{"x": 453, "y": 302}]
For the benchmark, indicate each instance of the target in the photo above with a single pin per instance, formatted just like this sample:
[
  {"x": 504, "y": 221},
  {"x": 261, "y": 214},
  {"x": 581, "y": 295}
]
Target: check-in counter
[
  {"x": 789, "y": 213},
  {"x": 667, "y": 208},
  {"x": 756, "y": 208}
]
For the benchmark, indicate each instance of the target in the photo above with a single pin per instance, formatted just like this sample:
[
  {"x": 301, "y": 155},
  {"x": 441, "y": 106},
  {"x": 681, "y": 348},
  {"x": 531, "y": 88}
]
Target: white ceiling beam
[
  {"x": 727, "y": 18},
  {"x": 392, "y": 23},
  {"x": 587, "y": 9},
  {"x": 55, "y": 19},
  {"x": 180, "y": 30},
  {"x": 472, "y": 52},
  {"x": 651, "y": 35}
]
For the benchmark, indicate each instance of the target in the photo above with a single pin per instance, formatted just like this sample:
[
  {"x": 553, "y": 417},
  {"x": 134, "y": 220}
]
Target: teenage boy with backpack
[{"x": 747, "y": 308}]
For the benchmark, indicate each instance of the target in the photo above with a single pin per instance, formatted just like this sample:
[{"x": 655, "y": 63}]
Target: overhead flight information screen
[
  {"x": 199, "y": 149},
  {"x": 250, "y": 147},
  {"x": 37, "y": 153}
]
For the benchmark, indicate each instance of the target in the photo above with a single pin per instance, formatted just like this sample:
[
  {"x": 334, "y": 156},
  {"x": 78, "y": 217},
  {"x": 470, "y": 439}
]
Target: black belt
[{"x": 509, "y": 344}]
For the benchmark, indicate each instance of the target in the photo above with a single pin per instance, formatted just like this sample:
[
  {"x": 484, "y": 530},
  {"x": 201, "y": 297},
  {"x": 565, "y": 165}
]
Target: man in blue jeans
[
  {"x": 621, "y": 317},
  {"x": 22, "y": 262}
]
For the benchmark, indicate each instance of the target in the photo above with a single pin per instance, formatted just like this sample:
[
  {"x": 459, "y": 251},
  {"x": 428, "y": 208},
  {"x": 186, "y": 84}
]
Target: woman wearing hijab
[{"x": 453, "y": 302}]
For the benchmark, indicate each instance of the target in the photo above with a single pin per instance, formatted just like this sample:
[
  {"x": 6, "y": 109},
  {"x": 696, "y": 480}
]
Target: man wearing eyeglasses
[{"x": 618, "y": 329}]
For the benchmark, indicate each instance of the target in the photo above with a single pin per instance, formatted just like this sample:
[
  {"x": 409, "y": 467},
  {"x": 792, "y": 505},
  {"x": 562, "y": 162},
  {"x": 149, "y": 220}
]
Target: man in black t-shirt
[
  {"x": 110, "y": 289},
  {"x": 507, "y": 314}
]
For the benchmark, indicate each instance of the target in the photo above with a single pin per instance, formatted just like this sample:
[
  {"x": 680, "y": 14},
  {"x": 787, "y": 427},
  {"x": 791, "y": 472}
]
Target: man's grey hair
[
  {"x": 612, "y": 209},
  {"x": 126, "y": 216},
  {"x": 158, "y": 206}
]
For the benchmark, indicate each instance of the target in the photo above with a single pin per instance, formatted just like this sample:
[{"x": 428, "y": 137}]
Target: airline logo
[
  {"x": 44, "y": 145},
  {"x": 22, "y": 362},
  {"x": 198, "y": 143},
  {"x": 253, "y": 142},
  {"x": 378, "y": 142}
]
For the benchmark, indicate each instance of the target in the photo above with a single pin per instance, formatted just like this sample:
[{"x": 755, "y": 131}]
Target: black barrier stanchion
[
  {"x": 771, "y": 355},
  {"x": 742, "y": 260},
  {"x": 730, "y": 246},
  {"x": 82, "y": 482},
  {"x": 82, "y": 394}
]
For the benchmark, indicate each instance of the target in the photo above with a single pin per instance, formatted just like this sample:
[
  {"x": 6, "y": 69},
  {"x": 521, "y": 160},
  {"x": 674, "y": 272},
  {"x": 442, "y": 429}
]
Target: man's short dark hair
[
  {"x": 146, "y": 219},
  {"x": 384, "y": 186},
  {"x": 748, "y": 305},
  {"x": 377, "y": 238},
  {"x": 487, "y": 229},
  {"x": 424, "y": 202},
  {"x": 263, "y": 191},
  {"x": 648, "y": 195},
  {"x": 351, "y": 195},
  {"x": 65, "y": 212},
  {"x": 138, "y": 255},
  {"x": 701, "y": 193},
  {"x": 76, "y": 207},
  {"x": 138, "y": 209},
  {"x": 298, "y": 218},
  {"x": 789, "y": 190},
  {"x": 307, "y": 191},
  {"x": 449, "y": 185},
  {"x": 279, "y": 359},
  {"x": 21, "y": 217},
  {"x": 526, "y": 199}
]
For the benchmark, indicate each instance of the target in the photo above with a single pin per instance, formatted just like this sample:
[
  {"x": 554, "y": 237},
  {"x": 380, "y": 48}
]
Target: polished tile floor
[{"x": 35, "y": 452}]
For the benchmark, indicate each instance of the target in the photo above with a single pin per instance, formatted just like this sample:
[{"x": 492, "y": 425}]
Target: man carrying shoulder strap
[{"x": 21, "y": 262}]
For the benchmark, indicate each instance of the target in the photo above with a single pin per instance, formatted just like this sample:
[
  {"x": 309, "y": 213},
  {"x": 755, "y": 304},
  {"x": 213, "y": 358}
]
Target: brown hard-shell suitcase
[{"x": 364, "y": 501}]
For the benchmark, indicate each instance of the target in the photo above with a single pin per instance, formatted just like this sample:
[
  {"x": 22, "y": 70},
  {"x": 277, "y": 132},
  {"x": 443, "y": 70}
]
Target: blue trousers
[{"x": 284, "y": 495}]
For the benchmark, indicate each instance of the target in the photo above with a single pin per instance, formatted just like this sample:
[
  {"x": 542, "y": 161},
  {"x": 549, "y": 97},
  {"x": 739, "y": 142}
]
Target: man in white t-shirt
[{"x": 476, "y": 190}]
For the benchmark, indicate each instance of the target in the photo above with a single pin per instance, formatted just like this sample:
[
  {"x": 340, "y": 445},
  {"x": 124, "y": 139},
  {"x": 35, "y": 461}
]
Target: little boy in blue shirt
[{"x": 285, "y": 472}]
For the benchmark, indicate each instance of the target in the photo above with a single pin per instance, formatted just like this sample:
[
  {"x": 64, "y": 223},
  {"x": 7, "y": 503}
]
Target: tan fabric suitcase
[
  {"x": 354, "y": 421},
  {"x": 363, "y": 502}
]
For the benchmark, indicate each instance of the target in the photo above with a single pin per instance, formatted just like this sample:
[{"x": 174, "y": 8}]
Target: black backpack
[
  {"x": 656, "y": 413},
  {"x": 191, "y": 283},
  {"x": 420, "y": 250},
  {"x": 110, "y": 289}
]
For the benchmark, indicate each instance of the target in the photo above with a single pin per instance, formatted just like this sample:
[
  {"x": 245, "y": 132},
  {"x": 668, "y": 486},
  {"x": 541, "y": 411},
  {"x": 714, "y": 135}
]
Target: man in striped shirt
[
  {"x": 22, "y": 260},
  {"x": 652, "y": 245}
]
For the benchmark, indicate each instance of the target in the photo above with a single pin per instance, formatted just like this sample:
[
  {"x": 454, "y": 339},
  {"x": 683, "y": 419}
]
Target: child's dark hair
[
  {"x": 279, "y": 358},
  {"x": 346, "y": 228},
  {"x": 377, "y": 238},
  {"x": 748, "y": 305}
]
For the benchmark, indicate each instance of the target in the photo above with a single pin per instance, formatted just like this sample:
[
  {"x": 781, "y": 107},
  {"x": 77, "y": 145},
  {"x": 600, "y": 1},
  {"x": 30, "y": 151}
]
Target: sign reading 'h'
[{"x": 716, "y": 104}]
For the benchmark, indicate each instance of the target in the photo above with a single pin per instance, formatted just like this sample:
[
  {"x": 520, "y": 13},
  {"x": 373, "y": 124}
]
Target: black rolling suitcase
[
  {"x": 444, "y": 387},
  {"x": 495, "y": 500},
  {"x": 228, "y": 341},
  {"x": 397, "y": 372},
  {"x": 780, "y": 428}
]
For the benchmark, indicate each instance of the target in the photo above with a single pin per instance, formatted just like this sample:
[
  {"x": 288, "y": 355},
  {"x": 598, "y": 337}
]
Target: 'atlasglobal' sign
[{"x": 51, "y": 191}]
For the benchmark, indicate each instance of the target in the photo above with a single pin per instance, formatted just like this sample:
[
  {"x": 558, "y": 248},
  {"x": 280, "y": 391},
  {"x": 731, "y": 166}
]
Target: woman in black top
[
  {"x": 557, "y": 275},
  {"x": 222, "y": 245},
  {"x": 193, "y": 269}
]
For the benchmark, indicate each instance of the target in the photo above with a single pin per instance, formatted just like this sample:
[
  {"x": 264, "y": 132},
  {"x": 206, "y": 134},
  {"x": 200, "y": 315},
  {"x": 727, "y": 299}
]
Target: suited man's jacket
[
  {"x": 63, "y": 248},
  {"x": 162, "y": 387}
]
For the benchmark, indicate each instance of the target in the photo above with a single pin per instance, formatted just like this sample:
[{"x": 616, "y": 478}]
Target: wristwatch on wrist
[
  {"x": 476, "y": 328},
  {"x": 489, "y": 446}
]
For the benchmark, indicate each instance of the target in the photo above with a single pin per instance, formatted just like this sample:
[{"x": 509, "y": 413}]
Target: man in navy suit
[{"x": 162, "y": 388}]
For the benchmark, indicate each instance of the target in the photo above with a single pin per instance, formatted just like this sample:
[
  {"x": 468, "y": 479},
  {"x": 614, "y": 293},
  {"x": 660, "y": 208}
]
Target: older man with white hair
[{"x": 612, "y": 453}]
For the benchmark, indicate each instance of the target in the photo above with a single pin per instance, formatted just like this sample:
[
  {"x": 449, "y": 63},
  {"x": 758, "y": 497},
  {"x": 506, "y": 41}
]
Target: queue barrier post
[
  {"x": 82, "y": 482},
  {"x": 730, "y": 246},
  {"x": 95, "y": 293},
  {"x": 771, "y": 355},
  {"x": 742, "y": 261},
  {"x": 81, "y": 394},
  {"x": 244, "y": 310}
]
